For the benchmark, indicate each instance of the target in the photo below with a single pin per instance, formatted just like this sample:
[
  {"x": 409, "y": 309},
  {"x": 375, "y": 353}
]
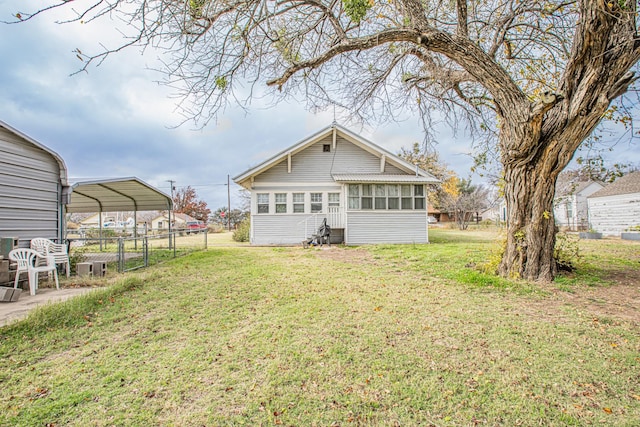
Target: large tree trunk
[
  {"x": 538, "y": 140},
  {"x": 530, "y": 224}
]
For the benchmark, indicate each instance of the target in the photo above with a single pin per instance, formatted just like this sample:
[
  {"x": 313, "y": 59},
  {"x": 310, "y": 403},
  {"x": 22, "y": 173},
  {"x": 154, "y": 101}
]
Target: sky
[{"x": 117, "y": 121}]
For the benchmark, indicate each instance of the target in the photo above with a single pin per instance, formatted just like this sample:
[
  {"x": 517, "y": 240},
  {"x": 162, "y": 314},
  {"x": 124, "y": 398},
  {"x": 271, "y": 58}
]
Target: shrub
[
  {"x": 494, "y": 256},
  {"x": 566, "y": 251},
  {"x": 216, "y": 228},
  {"x": 76, "y": 256},
  {"x": 241, "y": 234}
]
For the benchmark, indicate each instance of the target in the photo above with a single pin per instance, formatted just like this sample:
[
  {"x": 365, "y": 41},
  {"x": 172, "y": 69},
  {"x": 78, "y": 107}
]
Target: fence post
[
  {"x": 145, "y": 250},
  {"x": 120, "y": 255},
  {"x": 205, "y": 238}
]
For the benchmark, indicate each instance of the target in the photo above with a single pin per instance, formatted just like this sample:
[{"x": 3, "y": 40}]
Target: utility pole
[{"x": 228, "y": 203}]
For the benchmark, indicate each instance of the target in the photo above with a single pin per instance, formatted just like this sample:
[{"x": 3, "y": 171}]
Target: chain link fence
[{"x": 126, "y": 253}]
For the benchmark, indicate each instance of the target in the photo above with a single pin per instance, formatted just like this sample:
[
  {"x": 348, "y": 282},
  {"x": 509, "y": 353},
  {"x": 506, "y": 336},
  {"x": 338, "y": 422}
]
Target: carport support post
[
  {"x": 170, "y": 230},
  {"x": 170, "y": 211},
  {"x": 135, "y": 229},
  {"x": 100, "y": 228}
]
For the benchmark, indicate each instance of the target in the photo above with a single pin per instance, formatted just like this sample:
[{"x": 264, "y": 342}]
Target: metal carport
[{"x": 116, "y": 195}]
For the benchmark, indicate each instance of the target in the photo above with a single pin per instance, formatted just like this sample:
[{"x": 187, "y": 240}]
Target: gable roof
[
  {"x": 56, "y": 156},
  {"x": 628, "y": 184},
  {"x": 574, "y": 187},
  {"x": 117, "y": 195},
  {"x": 355, "y": 139},
  {"x": 176, "y": 216}
]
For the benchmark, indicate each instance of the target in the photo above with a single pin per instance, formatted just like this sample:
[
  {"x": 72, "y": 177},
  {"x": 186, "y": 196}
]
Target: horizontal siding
[
  {"x": 29, "y": 186},
  {"x": 386, "y": 227},
  {"x": 18, "y": 173},
  {"x": 362, "y": 228},
  {"x": 278, "y": 229},
  {"x": 612, "y": 215},
  {"x": 16, "y": 151},
  {"x": 24, "y": 197},
  {"x": 314, "y": 165}
]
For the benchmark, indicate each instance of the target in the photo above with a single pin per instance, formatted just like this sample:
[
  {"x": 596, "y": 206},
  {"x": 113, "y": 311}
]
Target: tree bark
[{"x": 530, "y": 224}]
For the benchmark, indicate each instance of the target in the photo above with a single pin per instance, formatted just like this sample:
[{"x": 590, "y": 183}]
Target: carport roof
[{"x": 115, "y": 195}]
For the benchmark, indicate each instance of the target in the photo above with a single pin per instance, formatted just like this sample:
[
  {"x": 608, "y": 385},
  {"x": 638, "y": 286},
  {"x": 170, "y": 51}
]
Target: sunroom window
[
  {"x": 418, "y": 191},
  {"x": 381, "y": 196},
  {"x": 367, "y": 197},
  {"x": 393, "y": 200},
  {"x": 407, "y": 200},
  {"x": 354, "y": 196},
  {"x": 386, "y": 197}
]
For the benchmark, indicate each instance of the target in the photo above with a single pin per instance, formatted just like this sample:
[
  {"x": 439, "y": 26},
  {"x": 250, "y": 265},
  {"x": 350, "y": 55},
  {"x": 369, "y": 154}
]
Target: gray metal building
[{"x": 33, "y": 189}]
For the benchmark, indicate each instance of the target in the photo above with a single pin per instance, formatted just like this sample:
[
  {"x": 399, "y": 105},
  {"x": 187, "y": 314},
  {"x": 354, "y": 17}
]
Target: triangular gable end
[{"x": 335, "y": 131}]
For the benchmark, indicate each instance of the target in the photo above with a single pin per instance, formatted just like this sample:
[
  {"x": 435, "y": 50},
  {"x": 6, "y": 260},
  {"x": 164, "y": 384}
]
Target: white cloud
[{"x": 116, "y": 121}]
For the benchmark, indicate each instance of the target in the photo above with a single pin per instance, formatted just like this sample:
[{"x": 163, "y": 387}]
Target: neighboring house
[
  {"x": 366, "y": 194},
  {"x": 497, "y": 212},
  {"x": 161, "y": 222},
  {"x": 109, "y": 220},
  {"x": 33, "y": 190},
  {"x": 616, "y": 207},
  {"x": 93, "y": 220},
  {"x": 439, "y": 215},
  {"x": 570, "y": 207}
]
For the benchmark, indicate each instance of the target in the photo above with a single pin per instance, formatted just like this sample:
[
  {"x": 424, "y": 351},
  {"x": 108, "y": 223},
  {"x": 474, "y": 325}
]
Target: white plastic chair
[
  {"x": 30, "y": 261},
  {"x": 57, "y": 250}
]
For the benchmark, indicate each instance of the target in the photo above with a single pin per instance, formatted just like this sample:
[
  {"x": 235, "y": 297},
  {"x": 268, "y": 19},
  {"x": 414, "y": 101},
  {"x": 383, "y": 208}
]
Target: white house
[
  {"x": 616, "y": 207},
  {"x": 366, "y": 194},
  {"x": 570, "y": 207},
  {"x": 497, "y": 212},
  {"x": 108, "y": 218}
]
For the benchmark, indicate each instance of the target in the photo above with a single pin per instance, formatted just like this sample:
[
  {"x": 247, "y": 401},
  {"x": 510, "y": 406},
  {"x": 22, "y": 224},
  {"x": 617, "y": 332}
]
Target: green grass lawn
[{"x": 370, "y": 336}]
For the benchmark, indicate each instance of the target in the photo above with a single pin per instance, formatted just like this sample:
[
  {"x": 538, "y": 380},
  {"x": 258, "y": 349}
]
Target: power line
[{"x": 201, "y": 185}]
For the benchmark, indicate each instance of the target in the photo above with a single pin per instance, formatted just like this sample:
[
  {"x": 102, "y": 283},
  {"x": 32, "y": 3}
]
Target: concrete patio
[{"x": 13, "y": 311}]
